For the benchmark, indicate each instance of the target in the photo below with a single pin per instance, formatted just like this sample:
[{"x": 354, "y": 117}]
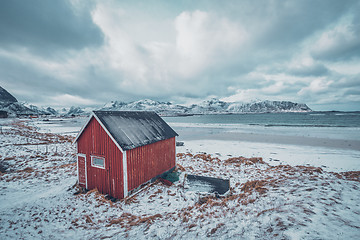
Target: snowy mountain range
[
  {"x": 212, "y": 106},
  {"x": 10, "y": 104},
  {"x": 12, "y": 107}
]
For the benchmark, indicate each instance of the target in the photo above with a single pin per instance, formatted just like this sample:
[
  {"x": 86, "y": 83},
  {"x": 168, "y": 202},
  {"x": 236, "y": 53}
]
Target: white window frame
[{"x": 97, "y": 166}]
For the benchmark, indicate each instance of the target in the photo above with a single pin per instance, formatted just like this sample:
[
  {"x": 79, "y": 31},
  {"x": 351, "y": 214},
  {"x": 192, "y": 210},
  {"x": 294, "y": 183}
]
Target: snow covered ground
[
  {"x": 267, "y": 200},
  {"x": 64, "y": 126}
]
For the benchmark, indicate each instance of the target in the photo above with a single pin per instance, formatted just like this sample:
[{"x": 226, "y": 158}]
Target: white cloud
[
  {"x": 237, "y": 50},
  {"x": 318, "y": 85},
  {"x": 338, "y": 43},
  {"x": 243, "y": 95},
  {"x": 345, "y": 67},
  {"x": 276, "y": 88},
  {"x": 201, "y": 41},
  {"x": 120, "y": 51},
  {"x": 204, "y": 39},
  {"x": 70, "y": 100}
]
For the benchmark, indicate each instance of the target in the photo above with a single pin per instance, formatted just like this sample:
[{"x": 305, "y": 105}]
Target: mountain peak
[
  {"x": 6, "y": 97},
  {"x": 210, "y": 106}
]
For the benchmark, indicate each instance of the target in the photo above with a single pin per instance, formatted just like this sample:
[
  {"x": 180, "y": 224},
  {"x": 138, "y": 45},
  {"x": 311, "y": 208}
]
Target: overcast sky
[{"x": 86, "y": 53}]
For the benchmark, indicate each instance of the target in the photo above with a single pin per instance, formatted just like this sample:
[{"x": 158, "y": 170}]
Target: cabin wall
[
  {"x": 149, "y": 161},
  {"x": 94, "y": 141}
]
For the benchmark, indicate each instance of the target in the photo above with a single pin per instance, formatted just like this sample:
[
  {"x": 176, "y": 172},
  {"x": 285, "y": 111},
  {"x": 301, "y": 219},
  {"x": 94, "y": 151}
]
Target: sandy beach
[
  {"x": 218, "y": 134},
  {"x": 329, "y": 153}
]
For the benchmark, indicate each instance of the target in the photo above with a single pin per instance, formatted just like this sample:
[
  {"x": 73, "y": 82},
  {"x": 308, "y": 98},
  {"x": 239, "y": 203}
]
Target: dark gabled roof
[{"x": 132, "y": 129}]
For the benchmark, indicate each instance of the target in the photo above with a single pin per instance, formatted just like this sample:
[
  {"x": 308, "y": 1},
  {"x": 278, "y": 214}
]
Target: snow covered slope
[
  {"x": 10, "y": 104},
  {"x": 268, "y": 106},
  {"x": 212, "y": 106},
  {"x": 162, "y": 108},
  {"x": 5, "y": 96},
  {"x": 18, "y": 109}
]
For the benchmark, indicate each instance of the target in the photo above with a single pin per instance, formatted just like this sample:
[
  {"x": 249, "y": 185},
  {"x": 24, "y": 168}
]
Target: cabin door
[{"x": 81, "y": 165}]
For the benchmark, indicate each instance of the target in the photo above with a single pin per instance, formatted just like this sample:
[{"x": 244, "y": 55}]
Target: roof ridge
[{"x": 132, "y": 129}]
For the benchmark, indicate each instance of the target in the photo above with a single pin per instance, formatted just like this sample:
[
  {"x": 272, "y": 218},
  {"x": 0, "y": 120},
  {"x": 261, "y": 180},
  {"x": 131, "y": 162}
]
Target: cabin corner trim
[{"x": 125, "y": 175}]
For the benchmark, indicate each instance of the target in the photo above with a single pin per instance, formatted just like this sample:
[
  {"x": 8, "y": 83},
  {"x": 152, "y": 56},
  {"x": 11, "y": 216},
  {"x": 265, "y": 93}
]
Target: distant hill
[
  {"x": 6, "y": 97},
  {"x": 268, "y": 106},
  {"x": 10, "y": 104},
  {"x": 212, "y": 106},
  {"x": 163, "y": 108}
]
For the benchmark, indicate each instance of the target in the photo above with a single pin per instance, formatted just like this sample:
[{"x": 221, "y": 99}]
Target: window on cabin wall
[{"x": 98, "y": 162}]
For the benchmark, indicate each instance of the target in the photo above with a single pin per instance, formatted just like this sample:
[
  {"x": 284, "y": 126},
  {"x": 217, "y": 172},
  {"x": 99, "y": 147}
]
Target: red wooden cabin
[{"x": 118, "y": 151}]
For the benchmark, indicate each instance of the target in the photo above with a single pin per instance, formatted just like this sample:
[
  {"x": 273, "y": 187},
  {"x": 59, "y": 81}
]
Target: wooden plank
[{"x": 148, "y": 161}]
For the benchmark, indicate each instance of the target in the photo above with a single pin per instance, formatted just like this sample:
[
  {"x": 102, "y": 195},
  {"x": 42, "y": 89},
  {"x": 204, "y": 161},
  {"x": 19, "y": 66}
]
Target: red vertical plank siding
[
  {"x": 146, "y": 162},
  {"x": 94, "y": 141}
]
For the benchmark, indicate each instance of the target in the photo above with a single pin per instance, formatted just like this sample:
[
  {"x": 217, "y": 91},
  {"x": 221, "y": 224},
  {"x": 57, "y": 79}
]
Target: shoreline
[
  {"x": 198, "y": 133},
  {"x": 330, "y": 153},
  {"x": 331, "y": 160},
  {"x": 335, "y": 155}
]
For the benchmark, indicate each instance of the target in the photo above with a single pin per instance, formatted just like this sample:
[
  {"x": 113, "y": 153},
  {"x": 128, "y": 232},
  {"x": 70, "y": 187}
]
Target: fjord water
[{"x": 332, "y": 125}]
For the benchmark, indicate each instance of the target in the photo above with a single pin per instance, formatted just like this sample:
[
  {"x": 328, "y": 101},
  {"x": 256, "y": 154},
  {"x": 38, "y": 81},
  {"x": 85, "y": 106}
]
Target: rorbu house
[{"x": 119, "y": 151}]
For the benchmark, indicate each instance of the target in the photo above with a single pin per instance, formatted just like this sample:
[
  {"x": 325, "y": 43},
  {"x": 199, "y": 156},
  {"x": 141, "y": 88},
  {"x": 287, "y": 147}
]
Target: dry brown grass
[
  {"x": 219, "y": 225},
  {"x": 95, "y": 191},
  {"x": 244, "y": 160},
  {"x": 267, "y": 210},
  {"x": 66, "y": 165},
  {"x": 128, "y": 220},
  {"x": 155, "y": 193},
  {"x": 309, "y": 169},
  {"x": 254, "y": 185},
  {"x": 148, "y": 220},
  {"x": 192, "y": 225},
  {"x": 130, "y": 200},
  {"x": 99, "y": 197},
  {"x": 79, "y": 189},
  {"x": 27, "y": 169},
  {"x": 180, "y": 168},
  {"x": 170, "y": 193},
  {"x": 180, "y": 155},
  {"x": 350, "y": 175},
  {"x": 88, "y": 219},
  {"x": 115, "y": 221},
  {"x": 75, "y": 222},
  {"x": 31, "y": 133},
  {"x": 206, "y": 157}
]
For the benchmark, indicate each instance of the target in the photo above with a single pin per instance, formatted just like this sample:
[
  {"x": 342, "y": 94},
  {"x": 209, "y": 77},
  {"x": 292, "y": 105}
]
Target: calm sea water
[
  {"x": 334, "y": 125},
  {"x": 338, "y": 125},
  {"x": 313, "y": 119}
]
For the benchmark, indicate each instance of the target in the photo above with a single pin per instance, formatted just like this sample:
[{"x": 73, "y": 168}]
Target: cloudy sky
[{"x": 86, "y": 53}]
